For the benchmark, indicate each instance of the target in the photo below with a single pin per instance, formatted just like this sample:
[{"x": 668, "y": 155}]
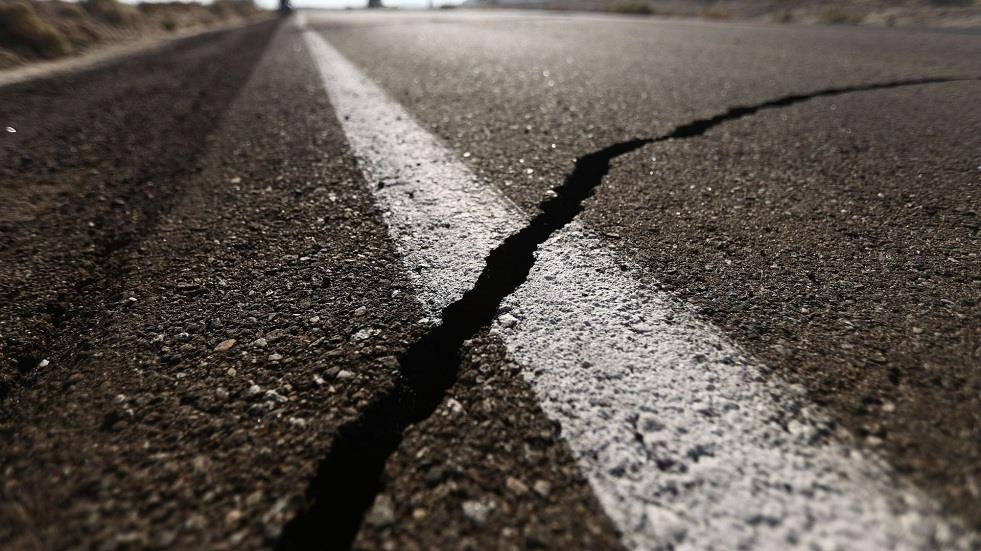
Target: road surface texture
[{"x": 495, "y": 280}]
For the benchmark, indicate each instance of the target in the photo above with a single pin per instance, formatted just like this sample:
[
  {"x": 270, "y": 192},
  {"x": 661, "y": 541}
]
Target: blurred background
[{"x": 46, "y": 29}]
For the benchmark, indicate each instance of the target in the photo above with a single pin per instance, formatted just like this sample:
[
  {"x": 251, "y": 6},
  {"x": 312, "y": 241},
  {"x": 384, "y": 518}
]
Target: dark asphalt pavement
[
  {"x": 836, "y": 239},
  {"x": 197, "y": 290}
]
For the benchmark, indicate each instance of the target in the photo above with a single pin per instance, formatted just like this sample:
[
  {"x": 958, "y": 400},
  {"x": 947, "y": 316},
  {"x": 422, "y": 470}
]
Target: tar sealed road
[{"x": 495, "y": 280}]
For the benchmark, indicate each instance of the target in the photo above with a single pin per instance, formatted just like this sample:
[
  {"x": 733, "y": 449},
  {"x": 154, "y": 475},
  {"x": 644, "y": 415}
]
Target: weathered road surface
[{"x": 498, "y": 280}]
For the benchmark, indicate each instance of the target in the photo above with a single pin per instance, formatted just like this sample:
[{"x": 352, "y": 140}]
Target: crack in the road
[
  {"x": 349, "y": 478},
  {"x": 700, "y": 126}
]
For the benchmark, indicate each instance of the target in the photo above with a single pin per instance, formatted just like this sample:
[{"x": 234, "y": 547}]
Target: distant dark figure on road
[
  {"x": 284, "y": 7},
  {"x": 375, "y": 4}
]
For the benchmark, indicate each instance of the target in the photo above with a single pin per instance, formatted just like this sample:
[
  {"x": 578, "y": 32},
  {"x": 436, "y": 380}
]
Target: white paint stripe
[
  {"x": 680, "y": 435},
  {"x": 447, "y": 219}
]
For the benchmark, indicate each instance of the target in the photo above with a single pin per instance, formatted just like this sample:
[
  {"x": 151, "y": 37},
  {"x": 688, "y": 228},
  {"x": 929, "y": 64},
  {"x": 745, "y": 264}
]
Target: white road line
[
  {"x": 684, "y": 441},
  {"x": 430, "y": 198}
]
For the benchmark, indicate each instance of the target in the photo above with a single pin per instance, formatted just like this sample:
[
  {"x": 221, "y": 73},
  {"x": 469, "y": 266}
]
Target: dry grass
[
  {"x": 839, "y": 16},
  {"x": 784, "y": 16},
  {"x": 233, "y": 7},
  {"x": 45, "y": 29},
  {"x": 631, "y": 7},
  {"x": 112, "y": 12},
  {"x": 717, "y": 13},
  {"x": 23, "y": 32}
]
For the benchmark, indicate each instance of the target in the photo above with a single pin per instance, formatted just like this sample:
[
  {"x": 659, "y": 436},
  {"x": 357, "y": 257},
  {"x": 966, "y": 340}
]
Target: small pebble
[
  {"x": 454, "y": 406},
  {"x": 273, "y": 396},
  {"x": 225, "y": 345},
  {"x": 476, "y": 511},
  {"x": 382, "y": 512},
  {"x": 516, "y": 486},
  {"x": 233, "y": 516},
  {"x": 542, "y": 488}
]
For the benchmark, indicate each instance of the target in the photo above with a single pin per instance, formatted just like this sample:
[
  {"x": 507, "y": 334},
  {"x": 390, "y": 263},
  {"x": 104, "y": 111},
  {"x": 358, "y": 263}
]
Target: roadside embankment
[{"x": 33, "y": 30}]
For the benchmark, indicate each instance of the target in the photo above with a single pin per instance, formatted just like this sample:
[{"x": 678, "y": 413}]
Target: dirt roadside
[{"x": 33, "y": 31}]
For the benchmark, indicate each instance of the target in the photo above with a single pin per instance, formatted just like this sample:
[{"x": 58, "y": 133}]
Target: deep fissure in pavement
[
  {"x": 700, "y": 126},
  {"x": 349, "y": 478}
]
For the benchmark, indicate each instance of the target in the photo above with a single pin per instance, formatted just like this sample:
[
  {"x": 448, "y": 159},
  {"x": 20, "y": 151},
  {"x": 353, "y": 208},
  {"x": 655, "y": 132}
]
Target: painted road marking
[
  {"x": 451, "y": 226},
  {"x": 683, "y": 440}
]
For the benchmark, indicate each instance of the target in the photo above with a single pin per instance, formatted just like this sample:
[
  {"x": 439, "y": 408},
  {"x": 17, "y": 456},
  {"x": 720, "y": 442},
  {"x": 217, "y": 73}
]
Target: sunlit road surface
[{"x": 496, "y": 280}]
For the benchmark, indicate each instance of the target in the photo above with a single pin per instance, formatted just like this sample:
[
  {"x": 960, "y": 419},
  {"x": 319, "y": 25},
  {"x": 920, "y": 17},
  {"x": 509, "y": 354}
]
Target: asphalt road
[{"x": 257, "y": 288}]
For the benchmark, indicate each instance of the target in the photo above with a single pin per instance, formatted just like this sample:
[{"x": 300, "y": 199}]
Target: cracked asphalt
[{"x": 197, "y": 291}]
